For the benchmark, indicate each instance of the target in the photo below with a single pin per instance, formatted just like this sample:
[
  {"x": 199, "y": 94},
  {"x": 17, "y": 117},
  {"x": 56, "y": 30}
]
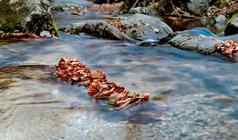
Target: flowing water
[{"x": 199, "y": 93}]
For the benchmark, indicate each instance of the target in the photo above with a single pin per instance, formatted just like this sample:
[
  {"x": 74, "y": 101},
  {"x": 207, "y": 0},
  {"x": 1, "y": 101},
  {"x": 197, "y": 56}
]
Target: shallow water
[{"x": 199, "y": 93}]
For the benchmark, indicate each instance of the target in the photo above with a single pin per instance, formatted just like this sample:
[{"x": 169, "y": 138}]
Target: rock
[
  {"x": 143, "y": 27},
  {"x": 202, "y": 41},
  {"x": 149, "y": 10},
  {"x": 98, "y": 28},
  {"x": 131, "y": 27},
  {"x": 220, "y": 22},
  {"x": 45, "y": 34},
  {"x": 26, "y": 16},
  {"x": 198, "y": 7},
  {"x": 232, "y": 26},
  {"x": 199, "y": 40}
]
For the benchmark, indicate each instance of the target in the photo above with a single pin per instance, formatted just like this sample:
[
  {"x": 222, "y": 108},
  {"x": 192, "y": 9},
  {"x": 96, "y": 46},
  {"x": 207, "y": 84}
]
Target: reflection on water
[{"x": 201, "y": 93}]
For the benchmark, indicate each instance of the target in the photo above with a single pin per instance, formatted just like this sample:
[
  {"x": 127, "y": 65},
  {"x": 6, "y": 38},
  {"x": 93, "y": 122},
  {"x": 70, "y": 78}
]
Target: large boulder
[
  {"x": 137, "y": 27},
  {"x": 142, "y": 27},
  {"x": 26, "y": 16}
]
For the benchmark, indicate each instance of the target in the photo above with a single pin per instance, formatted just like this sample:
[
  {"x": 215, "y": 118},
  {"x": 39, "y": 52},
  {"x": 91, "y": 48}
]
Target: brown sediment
[{"x": 97, "y": 84}]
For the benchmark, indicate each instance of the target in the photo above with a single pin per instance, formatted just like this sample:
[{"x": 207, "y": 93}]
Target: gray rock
[
  {"x": 198, "y": 39},
  {"x": 98, "y": 28},
  {"x": 143, "y": 27},
  {"x": 149, "y": 10},
  {"x": 221, "y": 22},
  {"x": 138, "y": 27},
  {"x": 202, "y": 41},
  {"x": 26, "y": 16},
  {"x": 197, "y": 43},
  {"x": 232, "y": 26},
  {"x": 198, "y": 6}
]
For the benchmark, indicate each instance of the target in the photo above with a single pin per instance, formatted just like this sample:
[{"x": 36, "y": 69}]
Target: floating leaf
[{"x": 99, "y": 87}]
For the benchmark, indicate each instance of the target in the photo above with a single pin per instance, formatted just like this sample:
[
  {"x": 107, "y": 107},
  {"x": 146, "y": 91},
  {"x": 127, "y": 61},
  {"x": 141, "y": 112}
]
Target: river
[{"x": 199, "y": 93}]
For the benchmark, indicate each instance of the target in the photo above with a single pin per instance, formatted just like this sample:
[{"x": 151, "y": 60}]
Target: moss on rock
[{"x": 26, "y": 16}]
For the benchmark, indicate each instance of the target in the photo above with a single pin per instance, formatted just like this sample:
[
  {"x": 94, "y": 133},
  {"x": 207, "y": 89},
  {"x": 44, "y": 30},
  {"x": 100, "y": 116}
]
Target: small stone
[{"x": 45, "y": 34}]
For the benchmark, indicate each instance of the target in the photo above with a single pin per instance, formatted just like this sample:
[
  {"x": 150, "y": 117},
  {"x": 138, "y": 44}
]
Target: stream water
[{"x": 199, "y": 93}]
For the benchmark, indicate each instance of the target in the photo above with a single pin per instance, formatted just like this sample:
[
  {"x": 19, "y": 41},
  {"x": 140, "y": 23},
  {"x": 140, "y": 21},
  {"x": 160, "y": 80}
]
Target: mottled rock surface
[
  {"x": 134, "y": 27},
  {"x": 198, "y": 6},
  {"x": 26, "y": 16}
]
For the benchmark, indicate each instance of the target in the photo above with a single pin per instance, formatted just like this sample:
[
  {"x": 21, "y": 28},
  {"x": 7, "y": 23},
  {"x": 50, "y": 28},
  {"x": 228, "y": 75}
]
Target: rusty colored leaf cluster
[
  {"x": 117, "y": 24},
  {"x": 98, "y": 8},
  {"x": 18, "y": 36},
  {"x": 98, "y": 86},
  {"x": 229, "y": 48}
]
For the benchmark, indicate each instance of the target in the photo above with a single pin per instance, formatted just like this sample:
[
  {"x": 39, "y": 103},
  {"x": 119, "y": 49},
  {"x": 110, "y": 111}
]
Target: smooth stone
[{"x": 199, "y": 39}]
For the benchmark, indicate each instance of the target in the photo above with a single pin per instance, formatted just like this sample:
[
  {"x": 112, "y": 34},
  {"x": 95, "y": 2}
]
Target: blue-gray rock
[
  {"x": 199, "y": 40},
  {"x": 220, "y": 22},
  {"x": 138, "y": 27}
]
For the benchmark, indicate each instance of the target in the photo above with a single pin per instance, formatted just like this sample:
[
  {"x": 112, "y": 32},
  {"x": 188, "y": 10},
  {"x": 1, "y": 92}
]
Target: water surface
[{"x": 199, "y": 93}]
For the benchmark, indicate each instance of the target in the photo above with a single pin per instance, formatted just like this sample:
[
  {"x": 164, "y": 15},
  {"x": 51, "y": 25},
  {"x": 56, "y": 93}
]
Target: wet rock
[
  {"x": 198, "y": 7},
  {"x": 142, "y": 27},
  {"x": 200, "y": 40},
  {"x": 232, "y": 26},
  {"x": 220, "y": 22},
  {"x": 133, "y": 27},
  {"x": 198, "y": 43},
  {"x": 26, "y": 16},
  {"x": 98, "y": 28},
  {"x": 204, "y": 42}
]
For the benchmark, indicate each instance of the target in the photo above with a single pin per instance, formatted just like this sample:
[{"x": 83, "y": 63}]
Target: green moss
[
  {"x": 233, "y": 18},
  {"x": 158, "y": 98},
  {"x": 41, "y": 23},
  {"x": 221, "y": 3},
  {"x": 4, "y": 43},
  {"x": 11, "y": 14},
  {"x": 55, "y": 29}
]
